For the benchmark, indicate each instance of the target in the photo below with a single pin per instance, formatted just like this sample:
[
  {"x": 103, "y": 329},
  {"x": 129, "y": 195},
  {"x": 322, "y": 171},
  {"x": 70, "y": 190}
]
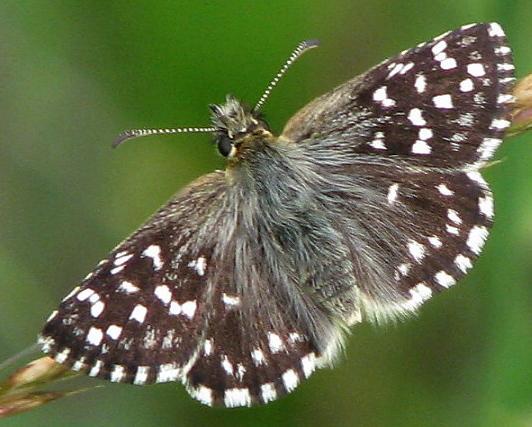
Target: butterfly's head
[{"x": 235, "y": 125}]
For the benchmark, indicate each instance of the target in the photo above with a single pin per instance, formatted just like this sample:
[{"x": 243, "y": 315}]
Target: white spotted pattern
[
  {"x": 163, "y": 293},
  {"x": 417, "y": 250},
  {"x": 421, "y": 83},
  {"x": 444, "y": 279},
  {"x": 141, "y": 375},
  {"x": 128, "y": 287},
  {"x": 154, "y": 252},
  {"x": 415, "y": 116},
  {"x": 258, "y": 357},
  {"x": 290, "y": 380},
  {"x": 421, "y": 147},
  {"x": 476, "y": 238},
  {"x": 203, "y": 394},
  {"x": 443, "y": 101},
  {"x": 308, "y": 364},
  {"x": 117, "y": 374},
  {"x": 268, "y": 392},
  {"x": 275, "y": 343},
  {"x": 466, "y": 85},
  {"x": 138, "y": 313},
  {"x": 463, "y": 263},
  {"x": 114, "y": 331},
  {"x": 476, "y": 70},
  {"x": 392, "y": 193},
  {"x": 234, "y": 397},
  {"x": 94, "y": 336}
]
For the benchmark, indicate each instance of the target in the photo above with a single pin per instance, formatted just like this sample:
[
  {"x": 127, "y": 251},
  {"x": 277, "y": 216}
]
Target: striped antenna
[
  {"x": 135, "y": 133},
  {"x": 301, "y": 48}
]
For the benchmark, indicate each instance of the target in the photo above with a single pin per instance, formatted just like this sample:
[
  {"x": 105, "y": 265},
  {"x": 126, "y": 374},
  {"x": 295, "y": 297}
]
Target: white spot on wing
[
  {"x": 466, "y": 85},
  {"x": 203, "y": 394},
  {"x": 420, "y": 293},
  {"x": 495, "y": 30},
  {"x": 207, "y": 347},
  {"x": 167, "y": 372},
  {"x": 230, "y": 301},
  {"x": 122, "y": 259},
  {"x": 500, "y": 124},
  {"x": 290, "y": 380},
  {"x": 117, "y": 374},
  {"x": 417, "y": 250},
  {"x": 189, "y": 308},
  {"x": 392, "y": 193},
  {"x": 308, "y": 363},
  {"x": 139, "y": 313},
  {"x": 128, "y": 287},
  {"x": 117, "y": 269},
  {"x": 444, "y": 190},
  {"x": 199, "y": 265},
  {"x": 435, "y": 242},
  {"x": 227, "y": 365},
  {"x": 95, "y": 370},
  {"x": 425, "y": 133},
  {"x": 463, "y": 263},
  {"x": 443, "y": 101},
  {"x": 234, "y": 397},
  {"x": 97, "y": 308},
  {"x": 85, "y": 294},
  {"x": 114, "y": 331},
  {"x": 163, "y": 293},
  {"x": 154, "y": 252},
  {"x": 268, "y": 392},
  {"x": 52, "y": 316},
  {"x": 415, "y": 116},
  {"x": 477, "y": 237},
  {"x": 444, "y": 279},
  {"x": 476, "y": 69},
  {"x": 421, "y": 83},
  {"x": 71, "y": 293},
  {"x": 439, "y": 47},
  {"x": 142, "y": 375},
  {"x": 95, "y": 335},
  {"x": 451, "y": 229},
  {"x": 453, "y": 216},
  {"x": 485, "y": 204},
  {"x": 258, "y": 357},
  {"x": 275, "y": 343},
  {"x": 61, "y": 357},
  {"x": 421, "y": 147},
  {"x": 448, "y": 64}
]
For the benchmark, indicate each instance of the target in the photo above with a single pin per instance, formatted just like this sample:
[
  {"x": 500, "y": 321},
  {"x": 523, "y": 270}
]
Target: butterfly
[{"x": 368, "y": 203}]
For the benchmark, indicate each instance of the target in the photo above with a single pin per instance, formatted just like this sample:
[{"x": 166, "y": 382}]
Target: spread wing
[
  {"x": 402, "y": 145},
  {"x": 165, "y": 306}
]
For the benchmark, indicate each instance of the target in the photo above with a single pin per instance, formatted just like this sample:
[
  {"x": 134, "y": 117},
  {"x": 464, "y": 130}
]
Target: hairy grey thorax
[{"x": 283, "y": 231}]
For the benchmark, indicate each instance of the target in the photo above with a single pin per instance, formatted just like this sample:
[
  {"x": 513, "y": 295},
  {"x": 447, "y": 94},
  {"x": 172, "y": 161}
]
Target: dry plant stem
[{"x": 522, "y": 112}]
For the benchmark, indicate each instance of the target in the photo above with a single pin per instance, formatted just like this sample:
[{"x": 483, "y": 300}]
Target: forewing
[
  {"x": 140, "y": 315},
  {"x": 444, "y": 103}
]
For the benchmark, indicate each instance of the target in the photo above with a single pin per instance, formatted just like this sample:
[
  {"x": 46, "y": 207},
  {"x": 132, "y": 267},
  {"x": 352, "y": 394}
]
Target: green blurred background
[{"x": 73, "y": 74}]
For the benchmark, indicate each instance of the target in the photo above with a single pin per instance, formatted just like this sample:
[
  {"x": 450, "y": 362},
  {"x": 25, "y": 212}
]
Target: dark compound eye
[{"x": 225, "y": 145}]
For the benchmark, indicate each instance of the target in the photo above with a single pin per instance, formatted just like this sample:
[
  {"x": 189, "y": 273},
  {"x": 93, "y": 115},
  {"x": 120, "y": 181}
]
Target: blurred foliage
[{"x": 75, "y": 73}]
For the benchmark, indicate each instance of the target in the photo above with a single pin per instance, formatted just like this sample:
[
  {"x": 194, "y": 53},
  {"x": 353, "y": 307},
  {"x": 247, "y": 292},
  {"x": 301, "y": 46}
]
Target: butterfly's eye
[{"x": 225, "y": 145}]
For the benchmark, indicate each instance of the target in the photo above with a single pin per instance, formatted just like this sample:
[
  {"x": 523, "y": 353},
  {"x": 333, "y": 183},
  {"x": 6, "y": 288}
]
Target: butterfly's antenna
[
  {"x": 296, "y": 53},
  {"x": 135, "y": 133}
]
